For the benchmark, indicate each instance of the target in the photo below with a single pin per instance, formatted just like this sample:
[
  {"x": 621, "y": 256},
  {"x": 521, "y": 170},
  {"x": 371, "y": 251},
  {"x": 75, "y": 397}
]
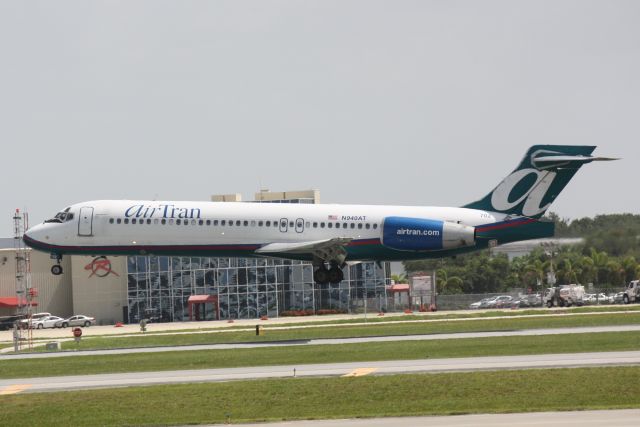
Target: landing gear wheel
[
  {"x": 335, "y": 275},
  {"x": 56, "y": 270},
  {"x": 321, "y": 275}
]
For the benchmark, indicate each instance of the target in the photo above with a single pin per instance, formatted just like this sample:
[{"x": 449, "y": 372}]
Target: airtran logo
[
  {"x": 414, "y": 232},
  {"x": 539, "y": 184},
  {"x": 161, "y": 211}
]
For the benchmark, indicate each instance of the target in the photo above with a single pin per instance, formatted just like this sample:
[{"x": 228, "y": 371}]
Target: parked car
[
  {"x": 618, "y": 298},
  {"x": 7, "y": 322},
  {"x": 45, "y": 322},
  {"x": 501, "y": 301},
  {"x": 525, "y": 301},
  {"x": 77, "y": 320},
  {"x": 26, "y": 323},
  {"x": 478, "y": 304}
]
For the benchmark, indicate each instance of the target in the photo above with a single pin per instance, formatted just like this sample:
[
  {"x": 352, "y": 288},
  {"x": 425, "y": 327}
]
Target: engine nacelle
[{"x": 418, "y": 234}]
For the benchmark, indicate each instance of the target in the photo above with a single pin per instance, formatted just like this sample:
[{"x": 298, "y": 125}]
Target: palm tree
[
  {"x": 399, "y": 278},
  {"x": 568, "y": 272},
  {"x": 536, "y": 269},
  {"x": 600, "y": 260},
  {"x": 449, "y": 283}
]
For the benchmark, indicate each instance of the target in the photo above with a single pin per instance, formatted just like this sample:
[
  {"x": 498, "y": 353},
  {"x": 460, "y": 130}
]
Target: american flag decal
[{"x": 333, "y": 217}]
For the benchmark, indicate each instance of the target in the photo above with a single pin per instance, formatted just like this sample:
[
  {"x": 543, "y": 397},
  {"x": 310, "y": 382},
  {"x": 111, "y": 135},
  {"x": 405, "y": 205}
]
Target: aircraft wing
[
  {"x": 304, "y": 247},
  {"x": 326, "y": 250}
]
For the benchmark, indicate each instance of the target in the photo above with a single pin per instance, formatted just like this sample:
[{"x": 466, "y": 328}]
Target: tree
[{"x": 448, "y": 284}]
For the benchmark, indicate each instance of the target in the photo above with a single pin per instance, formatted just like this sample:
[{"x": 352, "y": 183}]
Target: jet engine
[{"x": 419, "y": 234}]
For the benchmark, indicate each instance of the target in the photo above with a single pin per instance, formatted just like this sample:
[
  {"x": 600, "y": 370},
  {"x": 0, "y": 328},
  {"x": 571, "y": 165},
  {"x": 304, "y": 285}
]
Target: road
[
  {"x": 334, "y": 341},
  {"x": 468, "y": 364},
  {"x": 618, "y": 418}
]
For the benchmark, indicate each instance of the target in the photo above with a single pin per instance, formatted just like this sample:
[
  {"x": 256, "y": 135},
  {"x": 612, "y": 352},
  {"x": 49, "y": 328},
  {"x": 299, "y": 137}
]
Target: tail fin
[{"x": 543, "y": 173}]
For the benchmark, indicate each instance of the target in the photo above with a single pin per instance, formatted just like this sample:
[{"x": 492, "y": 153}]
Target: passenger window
[
  {"x": 133, "y": 221},
  {"x": 291, "y": 225},
  {"x": 246, "y": 223},
  {"x": 163, "y": 221},
  {"x": 367, "y": 226},
  {"x": 375, "y": 226},
  {"x": 126, "y": 220},
  {"x": 238, "y": 223},
  {"x": 260, "y": 223},
  {"x": 322, "y": 225},
  {"x": 149, "y": 221},
  {"x": 268, "y": 223},
  {"x": 353, "y": 225},
  {"x": 171, "y": 221},
  {"x": 337, "y": 225},
  {"x": 193, "y": 222},
  {"x": 230, "y": 223},
  {"x": 344, "y": 225},
  {"x": 110, "y": 220},
  {"x": 215, "y": 222},
  {"x": 360, "y": 225},
  {"x": 208, "y": 222},
  {"x": 222, "y": 222},
  {"x": 253, "y": 223},
  {"x": 329, "y": 225},
  {"x": 178, "y": 221},
  {"x": 118, "y": 220},
  {"x": 200, "y": 222}
]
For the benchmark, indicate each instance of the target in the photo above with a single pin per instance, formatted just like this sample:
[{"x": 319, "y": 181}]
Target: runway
[
  {"x": 470, "y": 364},
  {"x": 335, "y": 341},
  {"x": 618, "y": 418}
]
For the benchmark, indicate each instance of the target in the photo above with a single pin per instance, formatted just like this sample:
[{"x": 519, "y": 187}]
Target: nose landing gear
[{"x": 56, "y": 269}]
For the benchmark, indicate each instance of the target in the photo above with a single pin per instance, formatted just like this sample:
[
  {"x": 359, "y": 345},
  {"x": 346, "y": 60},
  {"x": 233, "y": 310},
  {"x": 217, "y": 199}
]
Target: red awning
[
  {"x": 195, "y": 299},
  {"x": 13, "y": 302},
  {"x": 400, "y": 287}
]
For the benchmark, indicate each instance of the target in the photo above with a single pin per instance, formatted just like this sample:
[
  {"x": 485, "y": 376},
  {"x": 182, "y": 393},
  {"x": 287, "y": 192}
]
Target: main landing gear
[
  {"x": 56, "y": 269},
  {"x": 323, "y": 276}
]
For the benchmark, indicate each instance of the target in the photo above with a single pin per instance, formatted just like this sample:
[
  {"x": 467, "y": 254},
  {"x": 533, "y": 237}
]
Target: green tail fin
[{"x": 539, "y": 178}]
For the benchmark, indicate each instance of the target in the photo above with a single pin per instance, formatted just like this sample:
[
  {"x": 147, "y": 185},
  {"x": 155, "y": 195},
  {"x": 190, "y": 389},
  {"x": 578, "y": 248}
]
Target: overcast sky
[{"x": 376, "y": 102}]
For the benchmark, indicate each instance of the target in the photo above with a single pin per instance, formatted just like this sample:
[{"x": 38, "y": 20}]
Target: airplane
[{"x": 328, "y": 235}]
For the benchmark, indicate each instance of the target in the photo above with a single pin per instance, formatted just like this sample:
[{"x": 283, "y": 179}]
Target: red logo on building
[{"x": 101, "y": 267}]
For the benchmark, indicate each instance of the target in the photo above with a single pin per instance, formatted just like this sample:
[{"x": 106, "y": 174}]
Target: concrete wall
[
  {"x": 54, "y": 292},
  {"x": 97, "y": 290}
]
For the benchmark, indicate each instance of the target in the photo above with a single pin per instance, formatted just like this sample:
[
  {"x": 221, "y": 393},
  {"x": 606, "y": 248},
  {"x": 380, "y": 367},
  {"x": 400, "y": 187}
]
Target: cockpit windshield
[{"x": 63, "y": 216}]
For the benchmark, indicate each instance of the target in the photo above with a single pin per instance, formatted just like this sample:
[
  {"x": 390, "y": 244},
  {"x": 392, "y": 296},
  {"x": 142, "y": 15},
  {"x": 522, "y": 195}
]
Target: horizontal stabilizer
[{"x": 515, "y": 230}]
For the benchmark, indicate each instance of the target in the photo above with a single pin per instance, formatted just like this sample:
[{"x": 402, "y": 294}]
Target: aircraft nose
[{"x": 34, "y": 236}]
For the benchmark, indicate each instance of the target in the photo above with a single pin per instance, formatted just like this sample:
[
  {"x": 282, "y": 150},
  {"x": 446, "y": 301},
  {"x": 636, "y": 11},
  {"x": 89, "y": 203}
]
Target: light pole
[{"x": 550, "y": 249}]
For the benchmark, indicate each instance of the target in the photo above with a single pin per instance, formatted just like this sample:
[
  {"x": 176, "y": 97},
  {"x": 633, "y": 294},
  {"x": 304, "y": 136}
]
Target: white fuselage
[{"x": 97, "y": 227}]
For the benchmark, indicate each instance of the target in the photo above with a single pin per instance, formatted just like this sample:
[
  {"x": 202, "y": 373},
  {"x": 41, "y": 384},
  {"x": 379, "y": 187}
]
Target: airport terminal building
[{"x": 129, "y": 288}]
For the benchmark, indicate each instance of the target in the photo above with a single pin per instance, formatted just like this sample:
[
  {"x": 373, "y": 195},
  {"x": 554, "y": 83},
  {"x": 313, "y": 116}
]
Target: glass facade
[{"x": 247, "y": 288}]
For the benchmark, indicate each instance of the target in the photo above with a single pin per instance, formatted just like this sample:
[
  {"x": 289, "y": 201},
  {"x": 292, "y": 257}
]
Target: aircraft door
[
  {"x": 299, "y": 225},
  {"x": 85, "y": 222},
  {"x": 283, "y": 225}
]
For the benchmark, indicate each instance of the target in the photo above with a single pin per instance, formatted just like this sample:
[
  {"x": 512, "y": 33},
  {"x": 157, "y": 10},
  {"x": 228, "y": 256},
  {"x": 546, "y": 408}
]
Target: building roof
[{"x": 201, "y": 298}]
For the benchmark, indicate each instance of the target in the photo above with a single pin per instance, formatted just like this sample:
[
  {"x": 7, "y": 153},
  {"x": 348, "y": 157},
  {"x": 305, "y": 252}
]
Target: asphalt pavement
[{"x": 467, "y": 364}]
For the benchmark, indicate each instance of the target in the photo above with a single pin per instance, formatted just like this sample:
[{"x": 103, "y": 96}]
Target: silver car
[
  {"x": 77, "y": 320},
  {"x": 46, "y": 322}
]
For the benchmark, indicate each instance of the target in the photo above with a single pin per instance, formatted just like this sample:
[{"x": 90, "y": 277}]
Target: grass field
[
  {"x": 373, "y": 396},
  {"x": 348, "y": 331},
  {"x": 376, "y": 351}
]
